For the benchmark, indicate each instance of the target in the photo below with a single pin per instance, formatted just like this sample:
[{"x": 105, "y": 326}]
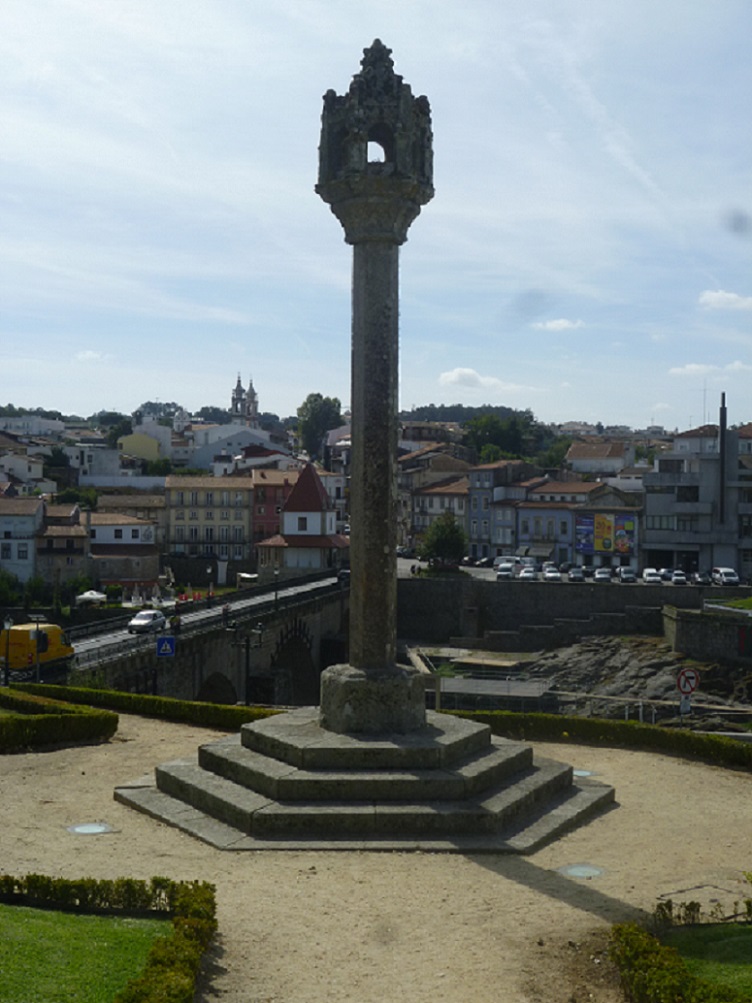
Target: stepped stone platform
[{"x": 286, "y": 783}]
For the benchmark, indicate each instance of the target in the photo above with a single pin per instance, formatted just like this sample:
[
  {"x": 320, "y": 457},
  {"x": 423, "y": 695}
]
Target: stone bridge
[{"x": 272, "y": 654}]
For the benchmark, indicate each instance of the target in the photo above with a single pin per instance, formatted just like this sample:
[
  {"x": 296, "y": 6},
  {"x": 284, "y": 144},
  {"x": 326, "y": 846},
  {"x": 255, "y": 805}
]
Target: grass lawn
[
  {"x": 719, "y": 953},
  {"x": 62, "y": 957}
]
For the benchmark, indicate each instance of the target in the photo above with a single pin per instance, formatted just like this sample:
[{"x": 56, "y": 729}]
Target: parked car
[
  {"x": 484, "y": 562},
  {"x": 343, "y": 576},
  {"x": 588, "y": 570},
  {"x": 504, "y": 572},
  {"x": 551, "y": 574},
  {"x": 701, "y": 578},
  {"x": 147, "y": 620},
  {"x": 678, "y": 578},
  {"x": 528, "y": 574},
  {"x": 665, "y": 574},
  {"x": 602, "y": 575},
  {"x": 651, "y": 577},
  {"x": 724, "y": 576},
  {"x": 576, "y": 574},
  {"x": 626, "y": 576}
]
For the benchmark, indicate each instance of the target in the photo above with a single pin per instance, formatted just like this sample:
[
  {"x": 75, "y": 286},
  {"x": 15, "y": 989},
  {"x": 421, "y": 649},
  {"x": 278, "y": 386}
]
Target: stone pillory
[
  {"x": 375, "y": 201},
  {"x": 378, "y": 108}
]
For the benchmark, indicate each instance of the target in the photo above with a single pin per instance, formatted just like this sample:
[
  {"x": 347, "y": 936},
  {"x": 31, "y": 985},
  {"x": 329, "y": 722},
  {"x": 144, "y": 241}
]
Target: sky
[{"x": 587, "y": 254}]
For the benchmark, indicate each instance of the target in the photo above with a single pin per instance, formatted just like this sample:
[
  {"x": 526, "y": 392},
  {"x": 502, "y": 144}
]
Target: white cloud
[
  {"x": 470, "y": 378},
  {"x": 88, "y": 355},
  {"x": 705, "y": 369},
  {"x": 719, "y": 300},
  {"x": 562, "y": 324}
]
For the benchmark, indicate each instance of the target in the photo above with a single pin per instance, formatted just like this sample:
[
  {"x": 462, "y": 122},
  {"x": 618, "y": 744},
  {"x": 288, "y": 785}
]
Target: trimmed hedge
[
  {"x": 174, "y": 962},
  {"x": 39, "y": 720},
  {"x": 714, "y": 749},
  {"x": 224, "y": 717},
  {"x": 651, "y": 972}
]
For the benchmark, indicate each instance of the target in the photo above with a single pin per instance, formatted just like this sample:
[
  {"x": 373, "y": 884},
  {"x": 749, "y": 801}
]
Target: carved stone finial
[{"x": 376, "y": 199}]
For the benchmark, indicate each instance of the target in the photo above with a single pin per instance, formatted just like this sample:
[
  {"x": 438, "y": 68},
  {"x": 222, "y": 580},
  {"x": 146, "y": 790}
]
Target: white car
[
  {"x": 724, "y": 576},
  {"x": 146, "y": 621},
  {"x": 528, "y": 574},
  {"x": 678, "y": 578},
  {"x": 504, "y": 572},
  {"x": 551, "y": 574},
  {"x": 602, "y": 575},
  {"x": 651, "y": 577}
]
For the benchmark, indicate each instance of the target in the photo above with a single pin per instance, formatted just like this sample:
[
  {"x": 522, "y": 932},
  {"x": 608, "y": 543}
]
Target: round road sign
[{"x": 688, "y": 680}]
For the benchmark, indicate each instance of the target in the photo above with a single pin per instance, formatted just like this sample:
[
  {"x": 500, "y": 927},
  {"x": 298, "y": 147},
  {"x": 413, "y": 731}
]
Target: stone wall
[
  {"x": 435, "y": 610},
  {"x": 709, "y": 636}
]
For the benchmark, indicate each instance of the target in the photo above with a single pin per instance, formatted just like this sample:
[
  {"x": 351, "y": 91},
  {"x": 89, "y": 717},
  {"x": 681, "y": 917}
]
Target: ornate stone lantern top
[{"x": 379, "y": 108}]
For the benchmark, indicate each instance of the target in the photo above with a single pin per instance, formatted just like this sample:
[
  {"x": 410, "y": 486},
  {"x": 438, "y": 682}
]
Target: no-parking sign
[{"x": 687, "y": 681}]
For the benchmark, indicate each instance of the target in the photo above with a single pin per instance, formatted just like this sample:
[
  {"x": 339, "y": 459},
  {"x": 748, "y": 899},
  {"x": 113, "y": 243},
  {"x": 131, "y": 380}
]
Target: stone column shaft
[{"x": 373, "y": 503}]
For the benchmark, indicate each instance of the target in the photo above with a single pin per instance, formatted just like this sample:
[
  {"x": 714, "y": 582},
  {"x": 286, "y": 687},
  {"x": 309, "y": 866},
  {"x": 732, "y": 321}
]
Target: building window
[
  {"x": 193, "y": 533},
  {"x": 224, "y": 514},
  {"x": 261, "y": 510},
  {"x": 209, "y": 498},
  {"x": 237, "y": 533},
  {"x": 224, "y": 533},
  {"x": 225, "y": 500},
  {"x": 118, "y": 534},
  {"x": 5, "y": 552},
  {"x": 23, "y": 551},
  {"x": 209, "y": 515},
  {"x": 238, "y": 514},
  {"x": 180, "y": 533},
  {"x": 179, "y": 498},
  {"x": 550, "y": 529},
  {"x": 180, "y": 514},
  {"x": 193, "y": 514},
  {"x": 525, "y": 527},
  {"x": 485, "y": 527},
  {"x": 194, "y": 497},
  {"x": 302, "y": 523},
  {"x": 485, "y": 503},
  {"x": 237, "y": 553},
  {"x": 93, "y": 534},
  {"x": 474, "y": 527},
  {"x": 563, "y": 528},
  {"x": 238, "y": 498},
  {"x": 208, "y": 533}
]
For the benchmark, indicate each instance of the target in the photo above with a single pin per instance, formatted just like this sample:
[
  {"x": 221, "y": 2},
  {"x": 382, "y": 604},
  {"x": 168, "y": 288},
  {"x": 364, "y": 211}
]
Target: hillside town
[{"x": 241, "y": 500}]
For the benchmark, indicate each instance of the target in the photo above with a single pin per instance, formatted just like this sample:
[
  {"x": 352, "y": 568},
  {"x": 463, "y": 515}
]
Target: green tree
[
  {"x": 158, "y": 468},
  {"x": 316, "y": 415},
  {"x": 86, "y": 497},
  {"x": 444, "y": 540}
]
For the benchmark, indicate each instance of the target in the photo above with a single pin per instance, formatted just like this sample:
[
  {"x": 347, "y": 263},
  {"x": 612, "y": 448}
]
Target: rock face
[{"x": 642, "y": 669}]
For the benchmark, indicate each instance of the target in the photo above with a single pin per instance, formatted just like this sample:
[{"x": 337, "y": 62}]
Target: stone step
[
  {"x": 297, "y": 738},
  {"x": 571, "y": 809},
  {"x": 185, "y": 781},
  {"x": 258, "y": 815},
  {"x": 230, "y": 759}
]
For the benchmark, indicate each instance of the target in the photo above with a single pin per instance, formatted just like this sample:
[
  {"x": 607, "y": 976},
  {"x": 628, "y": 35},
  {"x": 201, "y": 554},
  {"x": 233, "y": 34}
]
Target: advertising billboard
[{"x": 605, "y": 533}]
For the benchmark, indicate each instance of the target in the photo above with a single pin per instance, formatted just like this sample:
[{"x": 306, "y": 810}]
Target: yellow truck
[{"x": 27, "y": 644}]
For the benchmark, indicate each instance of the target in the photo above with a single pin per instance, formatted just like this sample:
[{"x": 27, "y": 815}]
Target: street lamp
[
  {"x": 7, "y": 624},
  {"x": 276, "y": 586},
  {"x": 257, "y": 633},
  {"x": 209, "y": 593}
]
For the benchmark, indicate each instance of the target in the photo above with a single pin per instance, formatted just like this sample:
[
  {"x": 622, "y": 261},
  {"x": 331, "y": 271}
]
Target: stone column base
[{"x": 377, "y": 702}]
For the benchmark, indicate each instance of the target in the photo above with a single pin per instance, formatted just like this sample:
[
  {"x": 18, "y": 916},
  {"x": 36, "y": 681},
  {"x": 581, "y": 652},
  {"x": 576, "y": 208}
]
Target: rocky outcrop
[{"x": 634, "y": 669}]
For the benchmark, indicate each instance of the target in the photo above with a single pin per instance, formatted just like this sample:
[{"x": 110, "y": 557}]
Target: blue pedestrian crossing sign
[{"x": 165, "y": 646}]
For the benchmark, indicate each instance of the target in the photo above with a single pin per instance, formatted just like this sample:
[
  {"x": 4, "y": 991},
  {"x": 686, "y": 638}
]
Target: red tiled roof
[
  {"x": 335, "y": 542},
  {"x": 309, "y": 494}
]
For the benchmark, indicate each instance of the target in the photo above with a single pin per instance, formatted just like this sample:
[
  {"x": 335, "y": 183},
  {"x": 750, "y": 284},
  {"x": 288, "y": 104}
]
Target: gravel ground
[{"x": 374, "y": 928}]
